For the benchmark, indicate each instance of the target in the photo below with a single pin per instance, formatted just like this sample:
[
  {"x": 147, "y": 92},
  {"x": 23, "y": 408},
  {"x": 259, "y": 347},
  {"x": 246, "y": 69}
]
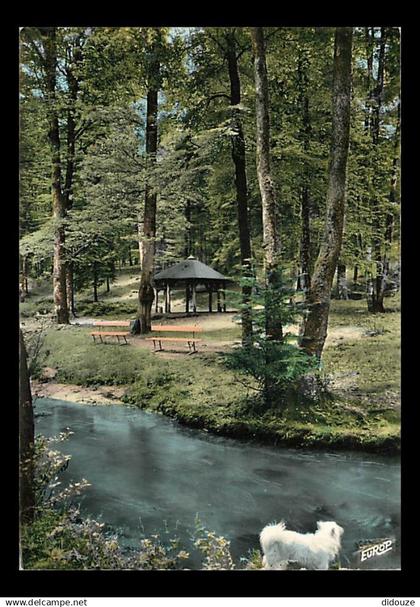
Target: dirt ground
[
  {"x": 103, "y": 395},
  {"x": 219, "y": 322}
]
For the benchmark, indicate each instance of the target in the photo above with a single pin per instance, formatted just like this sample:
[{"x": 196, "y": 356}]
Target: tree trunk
[
  {"x": 26, "y": 439},
  {"x": 271, "y": 240},
  {"x": 376, "y": 289},
  {"x": 140, "y": 239},
  {"x": 305, "y": 240},
  {"x": 316, "y": 322},
  {"x": 24, "y": 276},
  {"x": 355, "y": 274},
  {"x": 239, "y": 161},
  {"x": 389, "y": 225},
  {"x": 70, "y": 288},
  {"x": 369, "y": 45},
  {"x": 58, "y": 200},
  {"x": 146, "y": 291},
  {"x": 95, "y": 282},
  {"x": 188, "y": 238},
  {"x": 342, "y": 289}
]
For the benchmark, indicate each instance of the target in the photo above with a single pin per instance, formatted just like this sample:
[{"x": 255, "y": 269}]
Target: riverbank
[
  {"x": 361, "y": 370},
  {"x": 331, "y": 427},
  {"x": 101, "y": 395}
]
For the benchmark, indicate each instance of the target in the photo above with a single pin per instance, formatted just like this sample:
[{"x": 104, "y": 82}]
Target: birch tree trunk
[
  {"x": 58, "y": 200},
  {"x": 271, "y": 240},
  {"x": 26, "y": 439},
  {"x": 238, "y": 157},
  {"x": 316, "y": 323}
]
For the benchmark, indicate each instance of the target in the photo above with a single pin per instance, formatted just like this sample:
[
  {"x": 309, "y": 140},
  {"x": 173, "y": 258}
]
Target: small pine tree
[{"x": 275, "y": 365}]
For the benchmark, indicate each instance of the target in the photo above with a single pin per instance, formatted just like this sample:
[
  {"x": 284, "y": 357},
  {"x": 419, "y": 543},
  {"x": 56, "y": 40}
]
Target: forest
[{"x": 266, "y": 158}]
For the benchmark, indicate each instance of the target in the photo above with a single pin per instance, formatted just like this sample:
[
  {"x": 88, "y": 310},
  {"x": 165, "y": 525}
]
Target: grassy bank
[{"x": 362, "y": 369}]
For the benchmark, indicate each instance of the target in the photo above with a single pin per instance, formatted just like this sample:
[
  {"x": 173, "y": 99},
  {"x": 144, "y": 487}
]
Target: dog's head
[{"x": 330, "y": 528}]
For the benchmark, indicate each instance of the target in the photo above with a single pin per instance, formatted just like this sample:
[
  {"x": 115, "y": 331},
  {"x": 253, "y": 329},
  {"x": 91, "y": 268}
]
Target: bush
[
  {"x": 273, "y": 365},
  {"x": 102, "y": 308}
]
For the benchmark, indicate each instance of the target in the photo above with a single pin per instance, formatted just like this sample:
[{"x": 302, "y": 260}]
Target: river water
[{"x": 149, "y": 473}]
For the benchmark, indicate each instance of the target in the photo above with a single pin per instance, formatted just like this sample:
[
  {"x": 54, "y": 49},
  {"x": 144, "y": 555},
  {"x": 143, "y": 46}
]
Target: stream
[{"x": 149, "y": 473}]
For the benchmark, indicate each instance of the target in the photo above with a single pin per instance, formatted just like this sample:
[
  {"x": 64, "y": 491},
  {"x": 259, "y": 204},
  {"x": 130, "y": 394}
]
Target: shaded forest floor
[{"x": 361, "y": 367}]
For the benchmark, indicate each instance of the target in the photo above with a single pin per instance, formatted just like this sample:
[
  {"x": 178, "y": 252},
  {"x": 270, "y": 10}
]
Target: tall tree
[
  {"x": 75, "y": 58},
  {"x": 305, "y": 239},
  {"x": 26, "y": 438},
  {"x": 381, "y": 221},
  {"x": 58, "y": 200},
  {"x": 316, "y": 322},
  {"x": 271, "y": 240},
  {"x": 148, "y": 235},
  {"x": 239, "y": 160}
]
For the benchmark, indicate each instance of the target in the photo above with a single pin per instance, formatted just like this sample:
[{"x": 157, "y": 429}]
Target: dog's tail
[
  {"x": 281, "y": 526},
  {"x": 266, "y": 533}
]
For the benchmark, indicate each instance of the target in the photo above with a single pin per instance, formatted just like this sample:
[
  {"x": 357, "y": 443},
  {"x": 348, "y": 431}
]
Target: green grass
[
  {"x": 200, "y": 392},
  {"x": 205, "y": 395},
  {"x": 70, "y": 350},
  {"x": 375, "y": 357}
]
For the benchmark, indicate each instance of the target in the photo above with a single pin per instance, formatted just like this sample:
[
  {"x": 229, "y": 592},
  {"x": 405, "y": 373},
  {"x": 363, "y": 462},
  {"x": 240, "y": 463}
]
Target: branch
[
  {"x": 246, "y": 385},
  {"x": 34, "y": 47},
  {"x": 83, "y": 128},
  {"x": 242, "y": 51},
  {"x": 216, "y": 41},
  {"x": 268, "y": 36},
  {"x": 215, "y": 96}
]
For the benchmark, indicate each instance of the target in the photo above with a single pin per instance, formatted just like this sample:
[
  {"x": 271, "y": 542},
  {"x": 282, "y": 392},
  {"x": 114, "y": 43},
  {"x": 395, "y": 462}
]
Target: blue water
[{"x": 149, "y": 473}]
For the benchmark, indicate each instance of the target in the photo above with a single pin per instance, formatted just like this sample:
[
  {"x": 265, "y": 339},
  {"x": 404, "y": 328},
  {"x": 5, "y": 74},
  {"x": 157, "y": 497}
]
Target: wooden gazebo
[{"x": 190, "y": 274}]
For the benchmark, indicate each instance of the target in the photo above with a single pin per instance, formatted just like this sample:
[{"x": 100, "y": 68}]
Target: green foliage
[
  {"x": 215, "y": 548},
  {"x": 104, "y": 308},
  {"x": 274, "y": 365}
]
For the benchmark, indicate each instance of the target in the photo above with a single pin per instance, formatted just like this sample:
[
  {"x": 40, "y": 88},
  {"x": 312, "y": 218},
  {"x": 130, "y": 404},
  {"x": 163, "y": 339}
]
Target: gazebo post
[
  {"x": 210, "y": 299},
  {"x": 166, "y": 299},
  {"x": 157, "y": 298},
  {"x": 194, "y": 299},
  {"x": 219, "y": 309},
  {"x": 187, "y": 298},
  {"x": 168, "y": 286},
  {"x": 224, "y": 297}
]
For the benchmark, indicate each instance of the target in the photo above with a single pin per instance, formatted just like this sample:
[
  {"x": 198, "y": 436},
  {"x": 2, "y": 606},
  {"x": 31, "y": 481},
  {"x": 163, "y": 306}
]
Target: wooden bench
[
  {"x": 191, "y": 341},
  {"x": 110, "y": 323}
]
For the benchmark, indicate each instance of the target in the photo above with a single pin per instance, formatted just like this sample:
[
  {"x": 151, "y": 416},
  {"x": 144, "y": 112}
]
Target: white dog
[{"x": 310, "y": 550}]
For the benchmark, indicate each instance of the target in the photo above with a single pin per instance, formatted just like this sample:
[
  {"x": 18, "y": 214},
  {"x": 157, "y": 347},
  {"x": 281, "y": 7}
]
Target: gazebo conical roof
[
  {"x": 190, "y": 269},
  {"x": 191, "y": 274}
]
